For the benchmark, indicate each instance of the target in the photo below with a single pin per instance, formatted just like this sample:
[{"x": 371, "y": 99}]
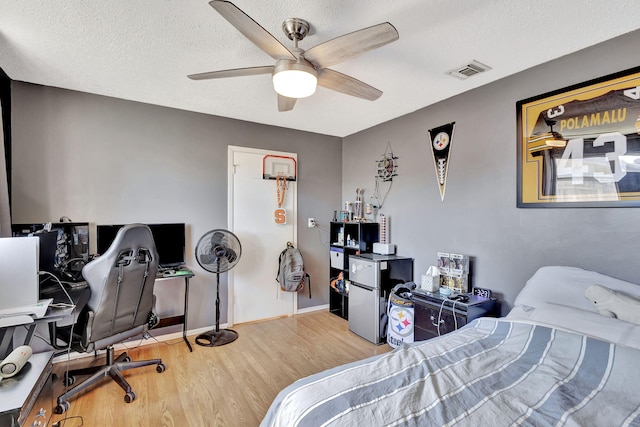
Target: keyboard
[{"x": 177, "y": 272}]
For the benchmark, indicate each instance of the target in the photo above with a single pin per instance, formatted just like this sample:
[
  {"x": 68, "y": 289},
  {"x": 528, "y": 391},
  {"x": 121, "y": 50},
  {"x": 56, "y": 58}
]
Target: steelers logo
[
  {"x": 441, "y": 141},
  {"x": 401, "y": 321}
]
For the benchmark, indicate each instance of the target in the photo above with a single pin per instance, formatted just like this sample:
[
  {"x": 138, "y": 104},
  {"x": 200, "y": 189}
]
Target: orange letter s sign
[{"x": 280, "y": 216}]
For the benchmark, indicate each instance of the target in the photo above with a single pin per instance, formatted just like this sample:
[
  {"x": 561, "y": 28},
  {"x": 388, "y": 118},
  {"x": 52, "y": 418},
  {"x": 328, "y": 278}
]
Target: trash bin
[{"x": 400, "y": 315}]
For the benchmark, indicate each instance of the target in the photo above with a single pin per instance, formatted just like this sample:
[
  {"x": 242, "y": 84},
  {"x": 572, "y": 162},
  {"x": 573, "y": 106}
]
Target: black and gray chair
[{"x": 121, "y": 306}]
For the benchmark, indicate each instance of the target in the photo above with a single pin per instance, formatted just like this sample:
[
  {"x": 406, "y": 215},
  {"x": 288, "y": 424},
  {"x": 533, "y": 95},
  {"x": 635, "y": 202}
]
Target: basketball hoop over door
[{"x": 281, "y": 169}]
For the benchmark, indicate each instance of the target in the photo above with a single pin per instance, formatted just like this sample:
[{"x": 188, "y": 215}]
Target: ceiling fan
[{"x": 297, "y": 72}]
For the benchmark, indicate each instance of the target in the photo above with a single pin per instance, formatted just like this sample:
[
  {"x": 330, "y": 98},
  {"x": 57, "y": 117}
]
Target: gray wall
[
  {"x": 109, "y": 161},
  {"x": 479, "y": 216},
  {"x": 105, "y": 160}
]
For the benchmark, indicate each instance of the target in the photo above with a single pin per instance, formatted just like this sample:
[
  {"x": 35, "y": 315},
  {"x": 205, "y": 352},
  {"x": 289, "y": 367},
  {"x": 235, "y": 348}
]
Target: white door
[{"x": 254, "y": 293}]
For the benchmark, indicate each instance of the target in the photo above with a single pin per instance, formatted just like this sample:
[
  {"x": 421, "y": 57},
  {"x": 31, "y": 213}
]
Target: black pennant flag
[{"x": 441, "y": 138}]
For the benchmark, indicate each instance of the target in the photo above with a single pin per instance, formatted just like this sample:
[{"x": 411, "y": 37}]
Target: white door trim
[{"x": 230, "y": 214}]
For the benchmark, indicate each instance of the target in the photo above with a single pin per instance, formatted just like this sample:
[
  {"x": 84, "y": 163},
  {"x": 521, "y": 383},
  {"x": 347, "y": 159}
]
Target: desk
[
  {"x": 79, "y": 296},
  {"x": 176, "y": 320},
  {"x": 26, "y": 399}
]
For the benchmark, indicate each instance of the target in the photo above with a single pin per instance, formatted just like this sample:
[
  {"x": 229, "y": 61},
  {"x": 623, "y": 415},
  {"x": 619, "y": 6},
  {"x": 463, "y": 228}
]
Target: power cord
[
  {"x": 321, "y": 228},
  {"x": 455, "y": 319},
  {"x": 64, "y": 420},
  {"x": 147, "y": 335},
  {"x": 453, "y": 311},
  {"x": 66, "y": 375},
  {"x": 440, "y": 315},
  {"x": 59, "y": 305}
]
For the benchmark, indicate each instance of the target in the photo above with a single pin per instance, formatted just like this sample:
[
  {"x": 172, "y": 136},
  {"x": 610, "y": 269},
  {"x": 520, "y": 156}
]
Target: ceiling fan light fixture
[
  {"x": 294, "y": 79},
  {"x": 296, "y": 72}
]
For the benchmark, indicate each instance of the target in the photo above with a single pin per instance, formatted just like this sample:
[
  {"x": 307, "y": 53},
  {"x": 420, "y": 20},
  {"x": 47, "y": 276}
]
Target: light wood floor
[{"x": 231, "y": 385}]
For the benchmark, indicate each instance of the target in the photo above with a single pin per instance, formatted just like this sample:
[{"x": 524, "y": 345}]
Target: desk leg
[
  {"x": 6, "y": 338},
  {"x": 186, "y": 313},
  {"x": 31, "y": 328}
]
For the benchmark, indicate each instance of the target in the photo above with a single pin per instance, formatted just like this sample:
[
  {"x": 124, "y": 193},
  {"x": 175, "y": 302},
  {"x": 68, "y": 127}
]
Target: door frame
[{"x": 231, "y": 226}]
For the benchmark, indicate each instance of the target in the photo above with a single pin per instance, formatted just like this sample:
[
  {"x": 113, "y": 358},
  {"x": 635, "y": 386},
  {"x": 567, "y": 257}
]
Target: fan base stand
[{"x": 216, "y": 339}]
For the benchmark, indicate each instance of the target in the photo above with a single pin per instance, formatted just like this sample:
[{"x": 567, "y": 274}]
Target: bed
[{"x": 553, "y": 360}]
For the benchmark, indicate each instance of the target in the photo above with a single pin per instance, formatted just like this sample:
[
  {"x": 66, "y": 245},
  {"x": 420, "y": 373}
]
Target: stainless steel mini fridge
[{"x": 372, "y": 277}]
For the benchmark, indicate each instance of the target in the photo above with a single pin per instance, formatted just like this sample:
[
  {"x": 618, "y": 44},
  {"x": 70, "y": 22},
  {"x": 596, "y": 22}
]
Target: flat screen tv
[{"x": 169, "y": 239}]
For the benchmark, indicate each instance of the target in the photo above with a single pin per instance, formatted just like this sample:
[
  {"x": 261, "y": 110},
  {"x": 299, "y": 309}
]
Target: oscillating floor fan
[{"x": 218, "y": 251}]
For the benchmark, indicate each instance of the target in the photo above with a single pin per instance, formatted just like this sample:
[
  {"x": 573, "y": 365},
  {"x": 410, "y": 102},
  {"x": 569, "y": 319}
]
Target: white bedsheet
[
  {"x": 566, "y": 285},
  {"x": 554, "y": 360},
  {"x": 580, "y": 321},
  {"x": 492, "y": 372}
]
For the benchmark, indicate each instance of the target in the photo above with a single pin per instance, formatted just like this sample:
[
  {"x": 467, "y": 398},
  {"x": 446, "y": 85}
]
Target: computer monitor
[
  {"x": 104, "y": 237},
  {"x": 169, "y": 239},
  {"x": 19, "y": 284},
  {"x": 48, "y": 245},
  {"x": 170, "y": 243}
]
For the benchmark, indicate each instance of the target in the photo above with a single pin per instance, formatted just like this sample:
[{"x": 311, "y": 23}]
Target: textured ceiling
[{"x": 142, "y": 50}]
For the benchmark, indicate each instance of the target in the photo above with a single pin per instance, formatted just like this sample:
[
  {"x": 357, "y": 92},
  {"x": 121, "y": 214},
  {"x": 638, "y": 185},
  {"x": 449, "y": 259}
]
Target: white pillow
[{"x": 566, "y": 286}]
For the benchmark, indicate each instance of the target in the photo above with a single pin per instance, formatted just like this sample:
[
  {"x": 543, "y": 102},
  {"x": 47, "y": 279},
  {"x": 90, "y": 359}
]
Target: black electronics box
[{"x": 71, "y": 250}]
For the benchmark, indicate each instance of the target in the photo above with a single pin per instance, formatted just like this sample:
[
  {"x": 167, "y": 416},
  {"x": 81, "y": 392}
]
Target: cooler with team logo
[{"x": 400, "y": 315}]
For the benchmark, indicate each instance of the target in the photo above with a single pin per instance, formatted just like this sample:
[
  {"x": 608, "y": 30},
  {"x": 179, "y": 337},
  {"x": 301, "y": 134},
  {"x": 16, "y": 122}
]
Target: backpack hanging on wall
[{"x": 291, "y": 274}]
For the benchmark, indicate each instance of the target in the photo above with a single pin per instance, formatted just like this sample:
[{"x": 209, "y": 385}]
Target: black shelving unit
[{"x": 362, "y": 237}]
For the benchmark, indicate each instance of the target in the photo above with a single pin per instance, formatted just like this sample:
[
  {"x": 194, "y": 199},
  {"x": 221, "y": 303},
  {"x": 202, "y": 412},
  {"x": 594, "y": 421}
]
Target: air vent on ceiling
[{"x": 468, "y": 70}]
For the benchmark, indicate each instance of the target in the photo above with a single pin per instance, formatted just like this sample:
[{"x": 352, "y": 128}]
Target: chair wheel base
[
  {"x": 61, "y": 408},
  {"x": 68, "y": 380}
]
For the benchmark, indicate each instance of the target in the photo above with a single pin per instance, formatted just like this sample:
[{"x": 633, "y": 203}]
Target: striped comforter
[{"x": 493, "y": 372}]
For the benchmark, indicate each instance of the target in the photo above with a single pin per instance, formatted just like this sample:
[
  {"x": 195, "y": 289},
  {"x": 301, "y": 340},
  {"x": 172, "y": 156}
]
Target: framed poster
[{"x": 580, "y": 146}]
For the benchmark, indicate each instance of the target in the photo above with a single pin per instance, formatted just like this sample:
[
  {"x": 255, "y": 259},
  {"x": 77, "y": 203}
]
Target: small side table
[{"x": 437, "y": 315}]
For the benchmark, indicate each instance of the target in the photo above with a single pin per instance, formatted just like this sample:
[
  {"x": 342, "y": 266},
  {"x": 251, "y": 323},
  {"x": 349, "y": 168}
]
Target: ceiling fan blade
[
  {"x": 237, "y": 72},
  {"x": 252, "y": 30},
  {"x": 339, "y": 82},
  {"x": 286, "y": 104},
  {"x": 351, "y": 45}
]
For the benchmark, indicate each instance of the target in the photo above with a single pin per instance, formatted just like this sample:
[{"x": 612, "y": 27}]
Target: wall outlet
[{"x": 311, "y": 222}]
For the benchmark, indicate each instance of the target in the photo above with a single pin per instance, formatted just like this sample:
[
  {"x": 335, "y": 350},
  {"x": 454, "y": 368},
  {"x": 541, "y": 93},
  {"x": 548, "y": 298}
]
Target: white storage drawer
[{"x": 337, "y": 258}]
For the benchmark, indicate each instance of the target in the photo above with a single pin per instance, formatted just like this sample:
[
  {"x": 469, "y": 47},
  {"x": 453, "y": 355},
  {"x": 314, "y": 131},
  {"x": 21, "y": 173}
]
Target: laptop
[{"x": 19, "y": 284}]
